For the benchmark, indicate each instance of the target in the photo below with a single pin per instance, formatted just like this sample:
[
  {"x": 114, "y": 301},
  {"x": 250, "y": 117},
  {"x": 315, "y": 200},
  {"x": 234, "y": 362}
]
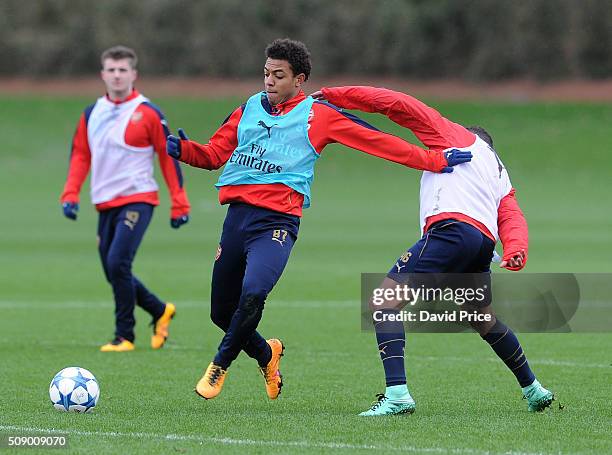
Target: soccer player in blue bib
[{"x": 269, "y": 147}]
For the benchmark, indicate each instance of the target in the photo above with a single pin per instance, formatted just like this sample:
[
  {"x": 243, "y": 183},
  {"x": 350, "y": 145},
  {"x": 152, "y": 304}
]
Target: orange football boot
[
  {"x": 212, "y": 382},
  {"x": 271, "y": 372},
  {"x": 160, "y": 330},
  {"x": 118, "y": 345}
]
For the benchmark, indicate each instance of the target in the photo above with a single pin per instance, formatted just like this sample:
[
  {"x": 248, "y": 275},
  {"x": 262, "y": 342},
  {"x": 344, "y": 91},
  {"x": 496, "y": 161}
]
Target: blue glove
[
  {"x": 173, "y": 144},
  {"x": 455, "y": 157},
  {"x": 178, "y": 222},
  {"x": 70, "y": 210}
]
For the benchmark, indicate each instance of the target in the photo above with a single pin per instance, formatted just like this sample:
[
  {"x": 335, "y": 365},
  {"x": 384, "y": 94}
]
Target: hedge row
[{"x": 465, "y": 39}]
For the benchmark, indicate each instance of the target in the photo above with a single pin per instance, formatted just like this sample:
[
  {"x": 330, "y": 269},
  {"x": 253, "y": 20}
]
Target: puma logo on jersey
[{"x": 268, "y": 128}]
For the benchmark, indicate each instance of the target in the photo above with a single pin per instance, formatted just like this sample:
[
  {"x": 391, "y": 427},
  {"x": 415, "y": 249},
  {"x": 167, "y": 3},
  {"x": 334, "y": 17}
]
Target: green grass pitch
[{"x": 56, "y": 308}]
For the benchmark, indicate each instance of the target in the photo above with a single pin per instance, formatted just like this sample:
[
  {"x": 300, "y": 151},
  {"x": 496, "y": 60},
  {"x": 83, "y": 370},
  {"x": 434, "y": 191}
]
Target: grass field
[{"x": 57, "y": 309}]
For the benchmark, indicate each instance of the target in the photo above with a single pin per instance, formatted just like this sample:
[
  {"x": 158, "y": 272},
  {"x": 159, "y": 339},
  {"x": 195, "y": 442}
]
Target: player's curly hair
[
  {"x": 294, "y": 52},
  {"x": 481, "y": 133}
]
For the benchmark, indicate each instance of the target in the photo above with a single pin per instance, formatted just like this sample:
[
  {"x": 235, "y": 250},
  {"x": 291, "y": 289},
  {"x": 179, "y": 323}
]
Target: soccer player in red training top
[
  {"x": 269, "y": 146},
  {"x": 117, "y": 137},
  {"x": 462, "y": 216}
]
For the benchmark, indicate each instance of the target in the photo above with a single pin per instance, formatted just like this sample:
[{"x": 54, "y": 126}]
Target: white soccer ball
[{"x": 74, "y": 389}]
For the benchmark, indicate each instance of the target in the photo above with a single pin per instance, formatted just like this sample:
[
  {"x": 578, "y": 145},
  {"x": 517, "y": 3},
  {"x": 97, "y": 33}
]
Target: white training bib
[
  {"x": 474, "y": 189},
  {"x": 117, "y": 169}
]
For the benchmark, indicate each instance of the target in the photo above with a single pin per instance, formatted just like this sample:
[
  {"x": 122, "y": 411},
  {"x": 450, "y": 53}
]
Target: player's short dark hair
[
  {"x": 119, "y": 53},
  {"x": 481, "y": 133},
  {"x": 294, "y": 52}
]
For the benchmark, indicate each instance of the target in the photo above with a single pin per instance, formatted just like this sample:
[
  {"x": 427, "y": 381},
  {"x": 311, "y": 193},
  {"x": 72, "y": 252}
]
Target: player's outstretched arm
[
  {"x": 513, "y": 233},
  {"x": 428, "y": 125},
  {"x": 209, "y": 156},
  {"x": 403, "y": 109},
  {"x": 338, "y": 126},
  {"x": 170, "y": 168}
]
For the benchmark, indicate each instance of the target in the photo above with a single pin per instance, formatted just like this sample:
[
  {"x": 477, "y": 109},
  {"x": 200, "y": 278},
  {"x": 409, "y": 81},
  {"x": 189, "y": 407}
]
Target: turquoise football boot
[
  {"x": 387, "y": 406},
  {"x": 538, "y": 398}
]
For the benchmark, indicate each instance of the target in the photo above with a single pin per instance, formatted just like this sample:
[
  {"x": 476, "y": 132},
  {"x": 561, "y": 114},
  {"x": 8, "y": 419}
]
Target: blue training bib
[{"x": 272, "y": 149}]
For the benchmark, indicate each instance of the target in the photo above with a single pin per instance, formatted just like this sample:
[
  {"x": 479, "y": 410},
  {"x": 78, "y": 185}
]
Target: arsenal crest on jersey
[{"x": 136, "y": 117}]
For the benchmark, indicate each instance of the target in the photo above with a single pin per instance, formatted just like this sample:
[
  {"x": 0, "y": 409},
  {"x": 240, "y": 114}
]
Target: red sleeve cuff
[{"x": 512, "y": 227}]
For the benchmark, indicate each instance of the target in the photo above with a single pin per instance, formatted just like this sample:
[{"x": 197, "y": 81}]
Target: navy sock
[
  {"x": 259, "y": 349},
  {"x": 391, "y": 342},
  {"x": 242, "y": 326},
  {"x": 507, "y": 347}
]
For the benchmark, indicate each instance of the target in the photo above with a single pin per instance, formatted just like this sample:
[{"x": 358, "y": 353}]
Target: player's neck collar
[
  {"x": 285, "y": 106},
  {"x": 130, "y": 97}
]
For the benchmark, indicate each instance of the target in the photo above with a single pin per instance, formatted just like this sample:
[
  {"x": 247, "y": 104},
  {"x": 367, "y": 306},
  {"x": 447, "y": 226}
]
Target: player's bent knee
[
  {"x": 375, "y": 305},
  {"x": 254, "y": 296},
  {"x": 253, "y": 302},
  {"x": 251, "y": 308},
  {"x": 385, "y": 298},
  {"x": 484, "y": 327}
]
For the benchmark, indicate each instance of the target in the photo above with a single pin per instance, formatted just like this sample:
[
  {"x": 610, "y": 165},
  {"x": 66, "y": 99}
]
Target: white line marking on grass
[{"x": 258, "y": 442}]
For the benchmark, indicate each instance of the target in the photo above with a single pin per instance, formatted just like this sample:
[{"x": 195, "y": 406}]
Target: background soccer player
[
  {"x": 463, "y": 214},
  {"x": 269, "y": 146},
  {"x": 117, "y": 137}
]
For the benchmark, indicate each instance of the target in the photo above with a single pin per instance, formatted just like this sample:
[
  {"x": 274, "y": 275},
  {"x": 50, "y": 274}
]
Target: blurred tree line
[{"x": 464, "y": 39}]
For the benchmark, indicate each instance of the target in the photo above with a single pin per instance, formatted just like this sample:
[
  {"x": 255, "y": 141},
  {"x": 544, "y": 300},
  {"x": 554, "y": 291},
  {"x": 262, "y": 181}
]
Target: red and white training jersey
[
  {"x": 326, "y": 125},
  {"x": 478, "y": 193},
  {"x": 117, "y": 140},
  {"x": 475, "y": 190},
  {"x": 117, "y": 168}
]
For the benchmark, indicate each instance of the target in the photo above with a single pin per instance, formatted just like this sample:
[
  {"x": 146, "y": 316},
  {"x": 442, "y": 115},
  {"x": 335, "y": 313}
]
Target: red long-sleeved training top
[
  {"x": 326, "y": 124},
  {"x": 437, "y": 133},
  {"x": 147, "y": 127}
]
